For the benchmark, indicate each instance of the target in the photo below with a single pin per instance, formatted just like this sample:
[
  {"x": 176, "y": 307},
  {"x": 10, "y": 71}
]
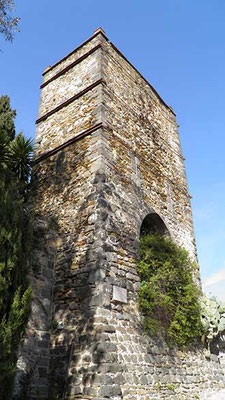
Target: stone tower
[{"x": 107, "y": 160}]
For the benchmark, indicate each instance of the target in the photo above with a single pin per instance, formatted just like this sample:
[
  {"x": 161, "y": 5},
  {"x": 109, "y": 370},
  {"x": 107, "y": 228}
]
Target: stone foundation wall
[{"x": 104, "y": 160}]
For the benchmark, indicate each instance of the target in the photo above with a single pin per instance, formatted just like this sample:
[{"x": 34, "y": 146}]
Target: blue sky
[{"x": 179, "y": 46}]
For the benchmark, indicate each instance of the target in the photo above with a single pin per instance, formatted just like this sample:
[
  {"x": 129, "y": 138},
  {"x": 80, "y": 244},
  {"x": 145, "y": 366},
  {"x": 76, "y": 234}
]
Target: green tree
[
  {"x": 7, "y": 116},
  {"x": 8, "y": 23},
  {"x": 168, "y": 297},
  {"x": 15, "y": 235}
]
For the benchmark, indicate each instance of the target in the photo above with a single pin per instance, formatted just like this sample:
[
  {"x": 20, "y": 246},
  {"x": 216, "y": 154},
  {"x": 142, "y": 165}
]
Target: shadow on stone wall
[
  {"x": 62, "y": 350},
  {"x": 78, "y": 342},
  {"x": 32, "y": 366}
]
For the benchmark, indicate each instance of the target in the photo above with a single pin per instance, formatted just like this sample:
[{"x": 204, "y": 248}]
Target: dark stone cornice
[
  {"x": 62, "y": 146},
  {"x": 70, "y": 100},
  {"x": 71, "y": 65}
]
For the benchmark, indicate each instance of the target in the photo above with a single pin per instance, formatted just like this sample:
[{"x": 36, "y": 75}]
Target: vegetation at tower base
[
  {"x": 168, "y": 297},
  {"x": 8, "y": 23},
  {"x": 213, "y": 319},
  {"x": 15, "y": 240}
]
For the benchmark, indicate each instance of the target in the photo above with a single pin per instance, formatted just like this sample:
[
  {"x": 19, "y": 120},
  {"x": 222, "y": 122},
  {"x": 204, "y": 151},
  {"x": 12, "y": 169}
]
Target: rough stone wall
[
  {"x": 62, "y": 184},
  {"x": 104, "y": 160},
  {"x": 146, "y": 148}
]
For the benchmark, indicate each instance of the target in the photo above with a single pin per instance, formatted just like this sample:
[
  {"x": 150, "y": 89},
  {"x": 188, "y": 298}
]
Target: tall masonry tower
[{"x": 107, "y": 160}]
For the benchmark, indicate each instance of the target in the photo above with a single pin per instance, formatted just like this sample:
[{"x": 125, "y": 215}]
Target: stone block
[
  {"x": 110, "y": 391},
  {"x": 119, "y": 294}
]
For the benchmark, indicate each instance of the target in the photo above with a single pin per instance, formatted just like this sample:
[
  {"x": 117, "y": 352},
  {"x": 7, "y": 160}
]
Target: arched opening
[
  {"x": 168, "y": 297},
  {"x": 152, "y": 224}
]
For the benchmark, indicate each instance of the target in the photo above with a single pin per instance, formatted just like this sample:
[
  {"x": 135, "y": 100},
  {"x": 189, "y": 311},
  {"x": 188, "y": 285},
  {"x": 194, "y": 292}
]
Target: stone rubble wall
[
  {"x": 68, "y": 122},
  {"x": 33, "y": 363},
  {"x": 86, "y": 338},
  {"x": 146, "y": 147},
  {"x": 60, "y": 185},
  {"x": 74, "y": 203},
  {"x": 70, "y": 83}
]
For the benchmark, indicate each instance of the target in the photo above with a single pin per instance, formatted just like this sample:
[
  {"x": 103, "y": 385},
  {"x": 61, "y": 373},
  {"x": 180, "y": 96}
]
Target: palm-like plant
[
  {"x": 4, "y": 149},
  {"x": 20, "y": 157}
]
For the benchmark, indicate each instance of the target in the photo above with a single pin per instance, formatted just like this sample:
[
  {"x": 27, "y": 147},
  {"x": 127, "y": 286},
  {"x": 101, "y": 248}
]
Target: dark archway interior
[{"x": 153, "y": 224}]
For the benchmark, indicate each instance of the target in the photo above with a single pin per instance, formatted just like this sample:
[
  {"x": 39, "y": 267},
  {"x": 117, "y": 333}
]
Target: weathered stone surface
[
  {"x": 90, "y": 199},
  {"x": 119, "y": 294},
  {"x": 110, "y": 391}
]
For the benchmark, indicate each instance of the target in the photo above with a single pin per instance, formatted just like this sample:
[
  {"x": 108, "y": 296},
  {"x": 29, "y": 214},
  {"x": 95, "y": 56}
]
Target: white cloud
[
  {"x": 215, "y": 278},
  {"x": 215, "y": 285},
  {"x": 217, "y": 290}
]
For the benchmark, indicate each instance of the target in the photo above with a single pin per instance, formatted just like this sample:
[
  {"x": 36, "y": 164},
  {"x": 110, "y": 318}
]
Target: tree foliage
[
  {"x": 20, "y": 157},
  {"x": 8, "y": 23},
  {"x": 168, "y": 296},
  {"x": 7, "y": 116},
  {"x": 15, "y": 234}
]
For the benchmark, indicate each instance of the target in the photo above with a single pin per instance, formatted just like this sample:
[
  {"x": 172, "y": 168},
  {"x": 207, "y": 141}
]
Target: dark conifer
[{"x": 15, "y": 234}]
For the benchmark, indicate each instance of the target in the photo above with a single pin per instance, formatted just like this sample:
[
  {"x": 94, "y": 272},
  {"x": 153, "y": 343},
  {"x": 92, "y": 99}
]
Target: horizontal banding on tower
[
  {"x": 64, "y": 70},
  {"x": 67, "y": 102},
  {"x": 67, "y": 143}
]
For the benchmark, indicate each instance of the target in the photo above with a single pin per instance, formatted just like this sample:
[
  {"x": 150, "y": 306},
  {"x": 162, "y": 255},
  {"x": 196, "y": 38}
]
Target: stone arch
[{"x": 153, "y": 224}]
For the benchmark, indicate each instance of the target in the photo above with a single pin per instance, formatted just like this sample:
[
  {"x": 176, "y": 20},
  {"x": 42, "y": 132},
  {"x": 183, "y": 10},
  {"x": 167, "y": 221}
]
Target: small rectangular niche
[{"x": 119, "y": 294}]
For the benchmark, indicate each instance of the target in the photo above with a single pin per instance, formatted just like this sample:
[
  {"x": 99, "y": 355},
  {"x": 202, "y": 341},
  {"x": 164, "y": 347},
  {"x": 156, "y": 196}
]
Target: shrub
[
  {"x": 213, "y": 318},
  {"x": 168, "y": 297}
]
